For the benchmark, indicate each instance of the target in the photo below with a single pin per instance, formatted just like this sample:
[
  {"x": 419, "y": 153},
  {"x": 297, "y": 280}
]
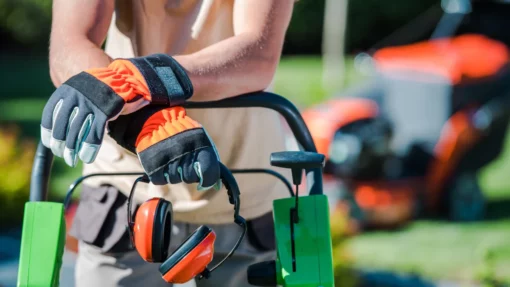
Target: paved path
[
  {"x": 9, "y": 253},
  {"x": 389, "y": 279}
]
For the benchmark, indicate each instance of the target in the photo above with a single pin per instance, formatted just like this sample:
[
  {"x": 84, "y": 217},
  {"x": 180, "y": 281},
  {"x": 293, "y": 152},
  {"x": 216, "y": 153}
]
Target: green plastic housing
[
  {"x": 42, "y": 244},
  {"x": 313, "y": 248}
]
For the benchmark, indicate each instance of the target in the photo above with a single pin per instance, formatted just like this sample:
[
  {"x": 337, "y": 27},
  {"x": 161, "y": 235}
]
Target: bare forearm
[
  {"x": 247, "y": 61},
  {"x": 69, "y": 60},
  {"x": 234, "y": 66},
  {"x": 79, "y": 27}
]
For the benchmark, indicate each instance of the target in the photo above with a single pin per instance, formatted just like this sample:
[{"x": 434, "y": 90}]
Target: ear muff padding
[
  {"x": 161, "y": 231},
  {"x": 151, "y": 213},
  {"x": 191, "y": 258}
]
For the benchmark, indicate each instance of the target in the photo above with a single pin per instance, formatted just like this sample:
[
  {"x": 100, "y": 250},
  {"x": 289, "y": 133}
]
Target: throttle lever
[{"x": 297, "y": 161}]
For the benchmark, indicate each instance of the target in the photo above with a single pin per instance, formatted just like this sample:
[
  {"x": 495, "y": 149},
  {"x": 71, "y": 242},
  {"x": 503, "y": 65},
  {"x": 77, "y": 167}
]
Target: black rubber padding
[
  {"x": 165, "y": 61},
  {"x": 157, "y": 89},
  {"x": 161, "y": 231},
  {"x": 99, "y": 93},
  {"x": 167, "y": 80},
  {"x": 185, "y": 248}
]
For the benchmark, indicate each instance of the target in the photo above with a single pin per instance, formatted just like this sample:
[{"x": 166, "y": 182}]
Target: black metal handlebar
[
  {"x": 269, "y": 101},
  {"x": 43, "y": 161}
]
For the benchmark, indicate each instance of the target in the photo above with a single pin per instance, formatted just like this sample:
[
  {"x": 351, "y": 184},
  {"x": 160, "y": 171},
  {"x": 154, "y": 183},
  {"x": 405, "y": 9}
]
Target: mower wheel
[{"x": 466, "y": 201}]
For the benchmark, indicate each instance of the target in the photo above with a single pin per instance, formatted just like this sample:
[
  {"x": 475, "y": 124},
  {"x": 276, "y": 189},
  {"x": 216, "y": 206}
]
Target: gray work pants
[{"x": 114, "y": 266}]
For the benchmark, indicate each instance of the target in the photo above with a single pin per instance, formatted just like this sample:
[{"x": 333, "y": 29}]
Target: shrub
[
  {"x": 16, "y": 156},
  {"x": 27, "y": 21}
]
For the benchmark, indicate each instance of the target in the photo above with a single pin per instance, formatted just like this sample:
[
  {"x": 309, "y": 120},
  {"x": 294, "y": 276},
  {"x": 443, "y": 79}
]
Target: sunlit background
[{"x": 322, "y": 59}]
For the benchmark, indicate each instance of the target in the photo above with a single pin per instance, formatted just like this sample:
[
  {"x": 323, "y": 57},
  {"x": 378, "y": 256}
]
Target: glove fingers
[
  {"x": 188, "y": 171},
  {"x": 171, "y": 174},
  {"x": 78, "y": 129},
  {"x": 65, "y": 111},
  {"x": 167, "y": 175},
  {"x": 47, "y": 119},
  {"x": 158, "y": 178},
  {"x": 47, "y": 115},
  {"x": 207, "y": 168},
  {"x": 93, "y": 138}
]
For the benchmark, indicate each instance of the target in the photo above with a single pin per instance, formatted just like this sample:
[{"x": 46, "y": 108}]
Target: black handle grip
[
  {"x": 41, "y": 168},
  {"x": 295, "y": 159}
]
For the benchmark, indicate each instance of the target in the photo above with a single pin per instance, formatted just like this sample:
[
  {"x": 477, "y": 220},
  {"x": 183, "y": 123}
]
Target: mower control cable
[{"x": 78, "y": 181}]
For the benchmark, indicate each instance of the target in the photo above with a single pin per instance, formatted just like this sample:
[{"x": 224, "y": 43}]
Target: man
[{"x": 221, "y": 48}]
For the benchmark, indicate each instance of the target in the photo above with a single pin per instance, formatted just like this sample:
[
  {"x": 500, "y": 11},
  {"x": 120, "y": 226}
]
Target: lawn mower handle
[
  {"x": 43, "y": 161},
  {"x": 41, "y": 170}
]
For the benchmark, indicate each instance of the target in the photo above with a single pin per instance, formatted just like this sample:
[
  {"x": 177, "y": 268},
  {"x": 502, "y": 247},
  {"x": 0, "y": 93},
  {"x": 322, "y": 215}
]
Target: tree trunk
[{"x": 333, "y": 43}]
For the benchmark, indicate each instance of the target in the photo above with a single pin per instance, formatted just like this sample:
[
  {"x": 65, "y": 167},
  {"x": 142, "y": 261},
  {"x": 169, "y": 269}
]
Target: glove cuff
[
  {"x": 162, "y": 125},
  {"x": 166, "y": 79},
  {"x": 156, "y": 79}
]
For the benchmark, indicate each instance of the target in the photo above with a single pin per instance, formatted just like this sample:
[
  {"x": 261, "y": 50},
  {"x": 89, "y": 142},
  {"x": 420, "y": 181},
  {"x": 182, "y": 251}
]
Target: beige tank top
[{"x": 244, "y": 138}]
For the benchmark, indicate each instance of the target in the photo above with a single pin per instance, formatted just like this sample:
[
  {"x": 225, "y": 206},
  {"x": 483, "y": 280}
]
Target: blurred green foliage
[
  {"x": 304, "y": 35},
  {"x": 368, "y": 22},
  {"x": 299, "y": 78},
  {"x": 27, "y": 21},
  {"x": 16, "y": 156},
  {"x": 488, "y": 274},
  {"x": 345, "y": 276}
]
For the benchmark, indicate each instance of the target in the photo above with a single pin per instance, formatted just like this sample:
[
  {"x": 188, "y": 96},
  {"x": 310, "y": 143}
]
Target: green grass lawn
[
  {"x": 431, "y": 249},
  {"x": 440, "y": 250}
]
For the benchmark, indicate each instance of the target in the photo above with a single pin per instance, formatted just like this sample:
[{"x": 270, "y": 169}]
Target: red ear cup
[
  {"x": 191, "y": 258},
  {"x": 152, "y": 229}
]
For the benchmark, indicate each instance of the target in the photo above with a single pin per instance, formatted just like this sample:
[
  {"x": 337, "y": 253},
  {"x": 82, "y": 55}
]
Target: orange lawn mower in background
[{"x": 411, "y": 145}]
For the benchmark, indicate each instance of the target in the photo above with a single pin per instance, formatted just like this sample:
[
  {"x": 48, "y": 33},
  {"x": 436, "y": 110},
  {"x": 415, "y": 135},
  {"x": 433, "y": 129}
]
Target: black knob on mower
[
  {"x": 262, "y": 274},
  {"x": 297, "y": 161}
]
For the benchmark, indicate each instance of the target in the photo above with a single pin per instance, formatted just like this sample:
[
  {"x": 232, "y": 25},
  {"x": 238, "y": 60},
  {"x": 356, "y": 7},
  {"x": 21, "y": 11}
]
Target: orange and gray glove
[
  {"x": 75, "y": 116},
  {"x": 172, "y": 147}
]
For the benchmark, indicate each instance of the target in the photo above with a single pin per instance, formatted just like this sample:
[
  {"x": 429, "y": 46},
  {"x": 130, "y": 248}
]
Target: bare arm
[
  {"x": 247, "y": 61},
  {"x": 79, "y": 27}
]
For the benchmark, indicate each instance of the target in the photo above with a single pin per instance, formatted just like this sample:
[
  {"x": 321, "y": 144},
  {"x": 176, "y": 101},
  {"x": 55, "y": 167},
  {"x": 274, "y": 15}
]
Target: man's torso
[{"x": 244, "y": 137}]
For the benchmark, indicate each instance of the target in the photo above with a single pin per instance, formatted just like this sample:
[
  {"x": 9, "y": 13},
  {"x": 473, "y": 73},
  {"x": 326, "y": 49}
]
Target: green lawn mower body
[
  {"x": 302, "y": 230},
  {"x": 304, "y": 249},
  {"x": 313, "y": 249},
  {"x": 42, "y": 244}
]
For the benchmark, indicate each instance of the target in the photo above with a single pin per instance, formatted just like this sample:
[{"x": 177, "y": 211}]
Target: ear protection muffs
[
  {"x": 151, "y": 229},
  {"x": 152, "y": 219}
]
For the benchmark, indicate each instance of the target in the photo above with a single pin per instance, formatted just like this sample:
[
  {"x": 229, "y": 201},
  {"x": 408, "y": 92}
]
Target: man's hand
[
  {"x": 76, "y": 115},
  {"x": 171, "y": 146}
]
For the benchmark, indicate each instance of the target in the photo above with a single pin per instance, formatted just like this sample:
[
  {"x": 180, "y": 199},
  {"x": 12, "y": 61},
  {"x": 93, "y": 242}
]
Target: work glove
[
  {"x": 172, "y": 147},
  {"x": 75, "y": 116}
]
